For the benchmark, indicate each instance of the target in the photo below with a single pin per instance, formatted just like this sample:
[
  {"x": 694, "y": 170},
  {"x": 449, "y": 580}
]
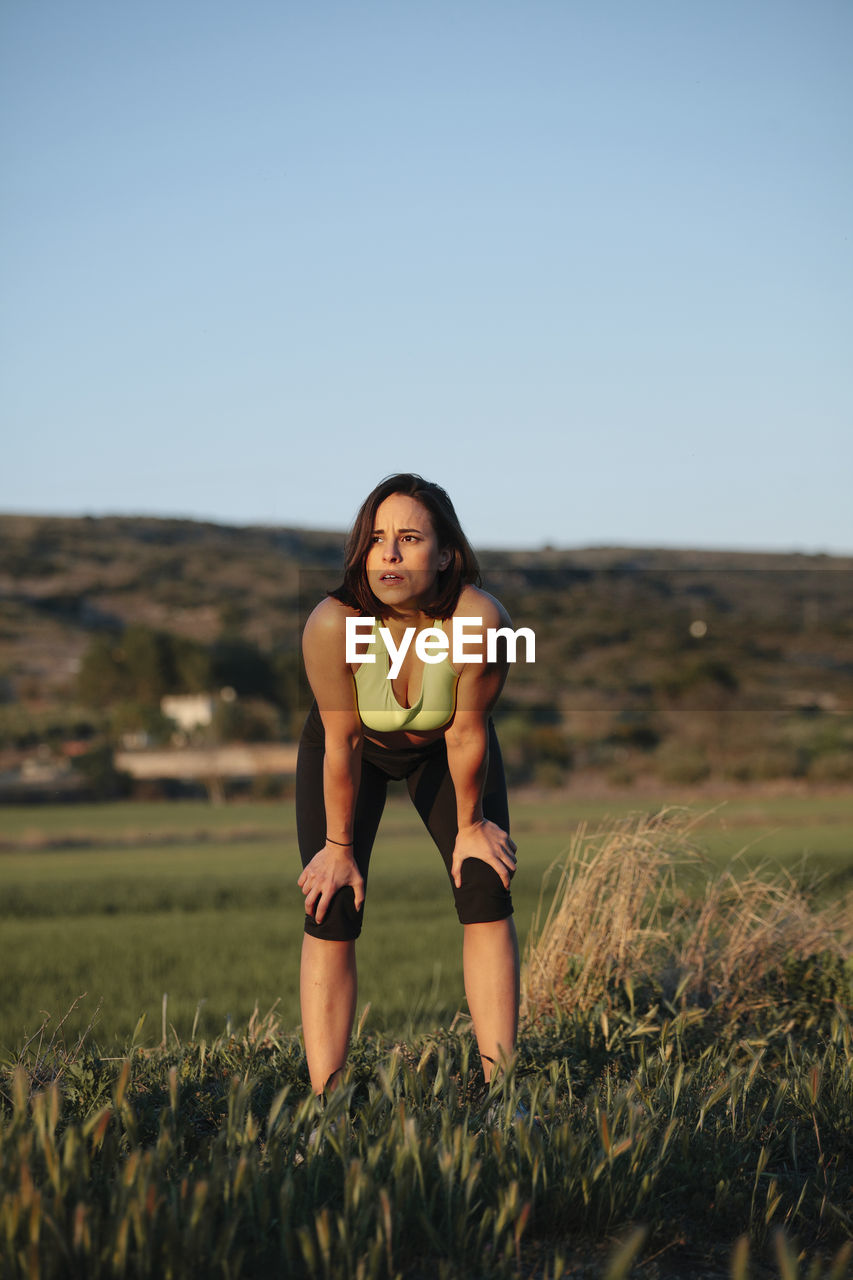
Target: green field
[
  {"x": 125, "y": 902},
  {"x": 633, "y": 1139}
]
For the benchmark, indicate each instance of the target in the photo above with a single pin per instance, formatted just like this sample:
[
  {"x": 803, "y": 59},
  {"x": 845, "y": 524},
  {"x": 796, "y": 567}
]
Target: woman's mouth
[{"x": 391, "y": 578}]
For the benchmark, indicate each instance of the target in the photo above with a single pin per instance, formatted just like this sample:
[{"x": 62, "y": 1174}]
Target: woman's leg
[
  {"x": 490, "y": 946},
  {"x": 328, "y": 986},
  {"x": 490, "y": 966}
]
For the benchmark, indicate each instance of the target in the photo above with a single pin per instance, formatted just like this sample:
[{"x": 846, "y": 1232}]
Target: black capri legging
[{"x": 482, "y": 896}]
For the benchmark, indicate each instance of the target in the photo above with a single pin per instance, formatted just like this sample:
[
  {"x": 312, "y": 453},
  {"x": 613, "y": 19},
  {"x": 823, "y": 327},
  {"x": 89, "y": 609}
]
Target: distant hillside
[
  {"x": 62, "y": 579},
  {"x": 628, "y": 639}
]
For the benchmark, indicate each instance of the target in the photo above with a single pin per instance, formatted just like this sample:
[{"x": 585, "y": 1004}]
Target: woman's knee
[
  {"x": 482, "y": 897},
  {"x": 341, "y": 923}
]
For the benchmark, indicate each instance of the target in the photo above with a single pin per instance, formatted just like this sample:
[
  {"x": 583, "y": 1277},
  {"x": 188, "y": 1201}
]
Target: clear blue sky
[{"x": 585, "y": 262}]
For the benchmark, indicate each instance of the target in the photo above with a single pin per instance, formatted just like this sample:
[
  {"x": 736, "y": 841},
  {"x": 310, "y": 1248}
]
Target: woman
[{"x": 408, "y": 566}]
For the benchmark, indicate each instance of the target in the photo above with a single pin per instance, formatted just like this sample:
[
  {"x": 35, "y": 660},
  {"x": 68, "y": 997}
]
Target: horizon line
[{"x": 544, "y": 544}]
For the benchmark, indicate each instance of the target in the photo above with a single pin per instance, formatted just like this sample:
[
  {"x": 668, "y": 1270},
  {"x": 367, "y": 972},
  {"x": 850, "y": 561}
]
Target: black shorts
[{"x": 482, "y": 896}]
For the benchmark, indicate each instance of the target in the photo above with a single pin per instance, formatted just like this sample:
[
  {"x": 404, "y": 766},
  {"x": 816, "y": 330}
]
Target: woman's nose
[{"x": 391, "y": 551}]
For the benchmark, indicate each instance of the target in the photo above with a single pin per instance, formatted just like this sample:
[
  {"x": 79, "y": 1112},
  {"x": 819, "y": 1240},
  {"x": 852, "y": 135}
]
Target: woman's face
[{"x": 404, "y": 558}]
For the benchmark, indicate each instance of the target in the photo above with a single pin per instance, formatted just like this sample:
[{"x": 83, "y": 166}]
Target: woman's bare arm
[
  {"x": 333, "y": 866},
  {"x": 467, "y": 740}
]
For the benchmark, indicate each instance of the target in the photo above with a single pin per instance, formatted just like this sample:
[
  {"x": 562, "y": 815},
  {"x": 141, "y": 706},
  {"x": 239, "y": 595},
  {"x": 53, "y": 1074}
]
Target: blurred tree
[
  {"x": 232, "y": 617},
  {"x": 192, "y": 666},
  {"x": 241, "y": 665},
  {"x": 703, "y": 673},
  {"x": 286, "y": 667},
  {"x": 249, "y": 720},
  {"x": 526, "y": 747},
  {"x": 140, "y": 667},
  {"x": 140, "y": 717},
  {"x": 102, "y": 678},
  {"x": 634, "y": 727},
  {"x": 105, "y": 781},
  {"x": 148, "y": 659}
]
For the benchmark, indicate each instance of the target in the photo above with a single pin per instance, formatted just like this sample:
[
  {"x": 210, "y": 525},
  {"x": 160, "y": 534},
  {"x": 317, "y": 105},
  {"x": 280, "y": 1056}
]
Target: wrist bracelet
[{"x": 344, "y": 844}]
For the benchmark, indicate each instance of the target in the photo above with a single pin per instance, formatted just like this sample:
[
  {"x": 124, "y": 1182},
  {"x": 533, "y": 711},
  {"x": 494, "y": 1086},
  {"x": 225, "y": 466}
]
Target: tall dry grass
[{"x": 637, "y": 904}]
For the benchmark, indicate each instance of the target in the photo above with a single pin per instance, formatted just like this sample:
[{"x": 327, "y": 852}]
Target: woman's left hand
[{"x": 488, "y": 842}]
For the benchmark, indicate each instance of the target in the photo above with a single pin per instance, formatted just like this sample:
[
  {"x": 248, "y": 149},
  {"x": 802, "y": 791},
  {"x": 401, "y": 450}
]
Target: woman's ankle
[{"x": 332, "y": 1083}]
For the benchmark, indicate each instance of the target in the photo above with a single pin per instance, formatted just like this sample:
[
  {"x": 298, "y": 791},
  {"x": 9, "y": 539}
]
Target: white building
[{"x": 188, "y": 710}]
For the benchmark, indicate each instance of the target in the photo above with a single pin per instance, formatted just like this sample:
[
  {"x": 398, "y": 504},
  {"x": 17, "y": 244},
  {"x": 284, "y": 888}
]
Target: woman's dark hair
[{"x": 463, "y": 567}]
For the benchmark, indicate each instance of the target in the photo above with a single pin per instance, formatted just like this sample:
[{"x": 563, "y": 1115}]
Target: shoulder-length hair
[{"x": 462, "y": 569}]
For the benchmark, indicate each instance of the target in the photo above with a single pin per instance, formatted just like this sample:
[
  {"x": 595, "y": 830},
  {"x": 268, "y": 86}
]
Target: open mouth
[{"x": 391, "y": 578}]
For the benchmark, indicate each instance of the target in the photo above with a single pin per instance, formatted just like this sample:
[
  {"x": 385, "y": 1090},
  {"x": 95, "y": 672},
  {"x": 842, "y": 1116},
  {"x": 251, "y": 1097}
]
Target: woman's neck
[{"x": 399, "y": 619}]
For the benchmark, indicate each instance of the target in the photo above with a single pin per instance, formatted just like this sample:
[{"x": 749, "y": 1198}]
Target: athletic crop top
[{"x": 380, "y": 710}]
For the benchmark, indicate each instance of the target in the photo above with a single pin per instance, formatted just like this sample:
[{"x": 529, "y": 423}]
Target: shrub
[
  {"x": 246, "y": 720},
  {"x": 104, "y": 780},
  {"x": 637, "y": 906},
  {"x": 682, "y": 763},
  {"x": 774, "y": 760},
  {"x": 832, "y": 766}
]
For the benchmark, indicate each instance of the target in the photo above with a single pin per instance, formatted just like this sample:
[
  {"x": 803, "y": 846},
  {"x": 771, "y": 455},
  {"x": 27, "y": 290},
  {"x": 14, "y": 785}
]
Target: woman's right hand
[{"x": 331, "y": 869}]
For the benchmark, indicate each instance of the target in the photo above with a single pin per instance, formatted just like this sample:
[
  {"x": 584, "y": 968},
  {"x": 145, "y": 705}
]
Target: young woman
[{"x": 408, "y": 566}]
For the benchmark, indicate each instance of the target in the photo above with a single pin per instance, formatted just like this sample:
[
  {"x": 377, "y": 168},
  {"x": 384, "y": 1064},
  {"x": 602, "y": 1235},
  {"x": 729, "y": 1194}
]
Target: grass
[
  {"x": 675, "y": 1124},
  {"x": 657, "y": 1150},
  {"x": 126, "y": 901}
]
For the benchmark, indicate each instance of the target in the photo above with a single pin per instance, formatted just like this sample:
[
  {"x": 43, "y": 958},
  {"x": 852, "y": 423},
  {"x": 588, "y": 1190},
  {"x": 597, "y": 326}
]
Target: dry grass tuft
[{"x": 637, "y": 903}]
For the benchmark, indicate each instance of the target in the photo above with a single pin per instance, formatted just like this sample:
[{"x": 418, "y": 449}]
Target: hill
[{"x": 628, "y": 639}]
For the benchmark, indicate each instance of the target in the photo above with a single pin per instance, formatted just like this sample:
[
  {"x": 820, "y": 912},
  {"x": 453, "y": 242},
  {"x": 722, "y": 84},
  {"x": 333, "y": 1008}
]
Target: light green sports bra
[{"x": 380, "y": 710}]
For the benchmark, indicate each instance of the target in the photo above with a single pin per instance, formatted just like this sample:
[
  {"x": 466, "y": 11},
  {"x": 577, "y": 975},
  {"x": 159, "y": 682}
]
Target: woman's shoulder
[
  {"x": 326, "y": 623},
  {"x": 474, "y": 602}
]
